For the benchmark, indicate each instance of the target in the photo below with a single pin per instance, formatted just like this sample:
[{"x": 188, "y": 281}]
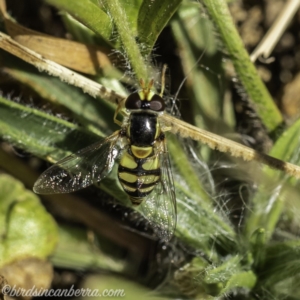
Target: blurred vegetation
[{"x": 237, "y": 232}]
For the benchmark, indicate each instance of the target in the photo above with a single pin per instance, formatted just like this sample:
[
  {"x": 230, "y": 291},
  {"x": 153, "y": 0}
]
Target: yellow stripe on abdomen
[{"x": 137, "y": 176}]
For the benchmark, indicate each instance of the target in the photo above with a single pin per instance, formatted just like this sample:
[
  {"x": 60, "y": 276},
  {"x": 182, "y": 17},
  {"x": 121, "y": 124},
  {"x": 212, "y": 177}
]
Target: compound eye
[
  {"x": 157, "y": 103},
  {"x": 133, "y": 101}
]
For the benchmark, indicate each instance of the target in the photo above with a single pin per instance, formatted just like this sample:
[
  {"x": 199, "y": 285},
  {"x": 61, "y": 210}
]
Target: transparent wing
[
  {"x": 159, "y": 207},
  {"x": 81, "y": 169}
]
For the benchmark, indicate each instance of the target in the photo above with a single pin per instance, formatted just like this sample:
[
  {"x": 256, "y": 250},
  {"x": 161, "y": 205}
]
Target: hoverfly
[
  {"x": 76, "y": 172},
  {"x": 144, "y": 168}
]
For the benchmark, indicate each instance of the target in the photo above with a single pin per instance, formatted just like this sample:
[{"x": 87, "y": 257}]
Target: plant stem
[
  {"x": 131, "y": 49},
  {"x": 246, "y": 71}
]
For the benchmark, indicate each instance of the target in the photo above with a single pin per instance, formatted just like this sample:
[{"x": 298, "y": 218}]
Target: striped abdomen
[
  {"x": 138, "y": 177},
  {"x": 139, "y": 169}
]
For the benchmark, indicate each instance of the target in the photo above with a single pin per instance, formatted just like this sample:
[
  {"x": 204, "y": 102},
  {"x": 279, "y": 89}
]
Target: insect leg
[{"x": 119, "y": 109}]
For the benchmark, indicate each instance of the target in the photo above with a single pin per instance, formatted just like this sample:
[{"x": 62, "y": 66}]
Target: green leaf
[
  {"x": 210, "y": 280},
  {"x": 245, "y": 280},
  {"x": 75, "y": 251},
  {"x": 282, "y": 262},
  {"x": 115, "y": 288},
  {"x": 132, "y": 8},
  {"x": 89, "y": 14},
  {"x": 153, "y": 17},
  {"x": 270, "y": 203},
  {"x": 11, "y": 190},
  {"x": 200, "y": 225},
  {"x": 95, "y": 114},
  {"x": 199, "y": 47},
  {"x": 182, "y": 164},
  {"x": 286, "y": 148},
  {"x": 258, "y": 249},
  {"x": 49, "y": 137},
  {"x": 27, "y": 230},
  {"x": 78, "y": 31},
  {"x": 230, "y": 275},
  {"x": 39, "y": 133}
]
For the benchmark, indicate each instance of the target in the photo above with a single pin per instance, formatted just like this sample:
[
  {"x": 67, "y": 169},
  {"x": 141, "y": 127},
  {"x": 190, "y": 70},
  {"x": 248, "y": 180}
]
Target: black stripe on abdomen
[
  {"x": 137, "y": 196},
  {"x": 139, "y": 171},
  {"x": 139, "y": 185},
  {"x": 138, "y": 177}
]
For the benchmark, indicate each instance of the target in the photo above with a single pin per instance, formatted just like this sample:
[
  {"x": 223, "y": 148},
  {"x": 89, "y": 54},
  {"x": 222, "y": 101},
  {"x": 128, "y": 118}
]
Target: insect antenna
[
  {"x": 163, "y": 79},
  {"x": 189, "y": 72}
]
